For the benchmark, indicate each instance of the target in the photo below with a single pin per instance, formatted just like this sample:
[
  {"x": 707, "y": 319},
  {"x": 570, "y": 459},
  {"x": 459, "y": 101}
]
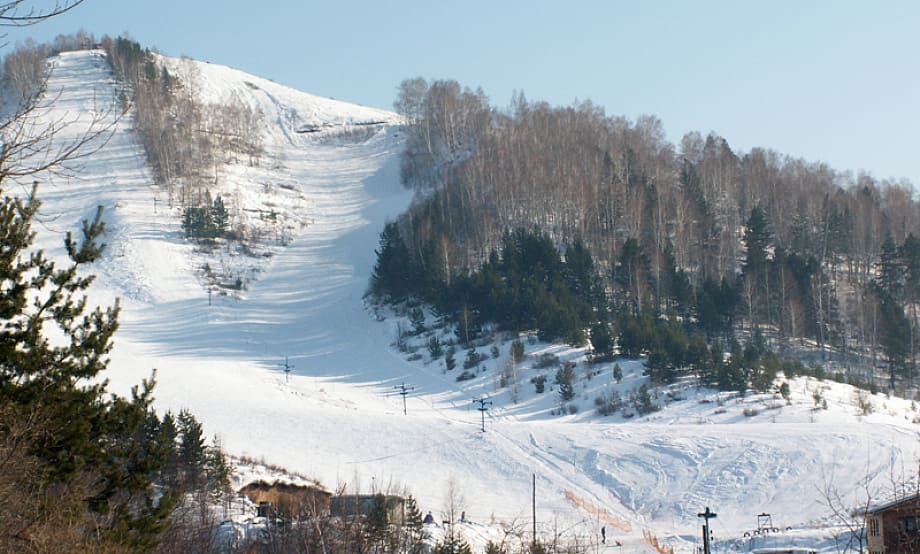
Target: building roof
[{"x": 893, "y": 504}]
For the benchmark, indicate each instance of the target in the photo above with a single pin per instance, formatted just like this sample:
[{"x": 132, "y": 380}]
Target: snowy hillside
[{"x": 336, "y": 417}]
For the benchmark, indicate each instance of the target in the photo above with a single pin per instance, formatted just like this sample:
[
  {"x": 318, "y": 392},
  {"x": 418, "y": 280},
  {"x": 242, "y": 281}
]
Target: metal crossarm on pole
[
  {"x": 404, "y": 391},
  {"x": 483, "y": 409},
  {"x": 287, "y": 369},
  {"x": 707, "y": 515}
]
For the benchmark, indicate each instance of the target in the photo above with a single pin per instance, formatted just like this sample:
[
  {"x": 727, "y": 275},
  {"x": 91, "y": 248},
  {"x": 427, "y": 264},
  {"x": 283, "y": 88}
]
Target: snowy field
[{"x": 336, "y": 418}]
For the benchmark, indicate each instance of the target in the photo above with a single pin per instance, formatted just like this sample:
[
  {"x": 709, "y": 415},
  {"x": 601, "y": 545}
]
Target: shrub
[
  {"x": 472, "y": 359},
  {"x": 466, "y": 375},
  {"x": 643, "y": 401},
  {"x": 435, "y": 348},
  {"x": 539, "y": 382},
  {"x": 517, "y": 351},
  {"x": 607, "y": 404},
  {"x": 546, "y": 360},
  {"x": 564, "y": 378}
]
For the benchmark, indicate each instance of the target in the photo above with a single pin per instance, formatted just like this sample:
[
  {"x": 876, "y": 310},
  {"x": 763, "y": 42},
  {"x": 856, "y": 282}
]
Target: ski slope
[{"x": 336, "y": 418}]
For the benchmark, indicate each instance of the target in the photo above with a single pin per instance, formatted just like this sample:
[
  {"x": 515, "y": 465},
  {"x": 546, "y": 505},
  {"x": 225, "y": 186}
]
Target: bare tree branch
[{"x": 22, "y": 13}]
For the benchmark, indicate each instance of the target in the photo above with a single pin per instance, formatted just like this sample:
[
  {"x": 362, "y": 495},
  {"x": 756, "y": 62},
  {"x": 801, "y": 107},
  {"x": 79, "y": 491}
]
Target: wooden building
[
  {"x": 288, "y": 500},
  {"x": 364, "y": 504},
  {"x": 894, "y": 528}
]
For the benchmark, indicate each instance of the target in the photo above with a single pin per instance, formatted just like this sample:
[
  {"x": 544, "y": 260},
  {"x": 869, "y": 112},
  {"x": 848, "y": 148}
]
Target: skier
[
  {"x": 428, "y": 518},
  {"x": 603, "y": 535}
]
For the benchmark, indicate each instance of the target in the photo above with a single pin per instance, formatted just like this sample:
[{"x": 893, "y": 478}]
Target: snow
[{"x": 337, "y": 417}]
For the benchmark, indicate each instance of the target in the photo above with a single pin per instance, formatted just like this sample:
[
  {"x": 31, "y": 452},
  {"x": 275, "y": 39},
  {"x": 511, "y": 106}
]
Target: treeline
[
  {"x": 729, "y": 244},
  {"x": 186, "y": 140},
  {"x": 25, "y": 66}
]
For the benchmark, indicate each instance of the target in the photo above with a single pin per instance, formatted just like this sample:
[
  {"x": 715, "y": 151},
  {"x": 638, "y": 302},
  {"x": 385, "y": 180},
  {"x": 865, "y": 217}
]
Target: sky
[{"x": 833, "y": 81}]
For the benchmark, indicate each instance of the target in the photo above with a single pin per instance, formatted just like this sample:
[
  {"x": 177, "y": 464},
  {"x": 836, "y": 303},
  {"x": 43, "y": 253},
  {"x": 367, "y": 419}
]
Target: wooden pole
[{"x": 534, "y": 512}]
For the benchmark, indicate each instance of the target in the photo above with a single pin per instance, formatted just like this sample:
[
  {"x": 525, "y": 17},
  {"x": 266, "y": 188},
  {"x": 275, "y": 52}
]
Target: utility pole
[
  {"x": 404, "y": 391},
  {"x": 287, "y": 370},
  {"x": 534, "y": 512},
  {"x": 482, "y": 408},
  {"x": 707, "y": 515}
]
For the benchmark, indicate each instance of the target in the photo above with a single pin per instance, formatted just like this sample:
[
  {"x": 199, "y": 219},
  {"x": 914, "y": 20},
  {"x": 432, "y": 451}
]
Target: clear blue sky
[{"x": 827, "y": 80}]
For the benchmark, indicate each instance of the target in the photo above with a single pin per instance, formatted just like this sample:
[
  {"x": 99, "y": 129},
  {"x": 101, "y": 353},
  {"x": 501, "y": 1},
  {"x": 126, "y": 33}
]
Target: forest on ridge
[{"x": 754, "y": 246}]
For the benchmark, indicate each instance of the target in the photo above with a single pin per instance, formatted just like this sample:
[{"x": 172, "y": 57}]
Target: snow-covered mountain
[{"x": 336, "y": 417}]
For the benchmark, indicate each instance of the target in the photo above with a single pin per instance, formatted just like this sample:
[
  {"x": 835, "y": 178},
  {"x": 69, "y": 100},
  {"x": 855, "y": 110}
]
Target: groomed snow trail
[{"x": 337, "y": 418}]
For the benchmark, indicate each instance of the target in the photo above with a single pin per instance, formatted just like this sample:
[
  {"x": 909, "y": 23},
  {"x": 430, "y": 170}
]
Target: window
[
  {"x": 873, "y": 527},
  {"x": 909, "y": 525}
]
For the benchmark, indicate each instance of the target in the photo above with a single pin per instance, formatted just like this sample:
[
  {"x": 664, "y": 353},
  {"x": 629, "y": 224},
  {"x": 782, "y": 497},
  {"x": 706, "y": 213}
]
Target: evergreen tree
[
  {"x": 601, "y": 340},
  {"x": 894, "y": 336},
  {"x": 891, "y": 269},
  {"x": 756, "y": 266},
  {"x": 415, "y": 535},
  {"x": 219, "y": 217},
  {"x": 392, "y": 277},
  {"x": 581, "y": 275},
  {"x": 632, "y": 275},
  {"x": 644, "y": 404},
  {"x": 452, "y": 544},
  {"x": 218, "y": 471},
  {"x": 434, "y": 348},
  {"x": 565, "y": 378},
  {"x": 87, "y": 431},
  {"x": 517, "y": 351},
  {"x": 168, "y": 437},
  {"x": 910, "y": 256},
  {"x": 192, "y": 448}
]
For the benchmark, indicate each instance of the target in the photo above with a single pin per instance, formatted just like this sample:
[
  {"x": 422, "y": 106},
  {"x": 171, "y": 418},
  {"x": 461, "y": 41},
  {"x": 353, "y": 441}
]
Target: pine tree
[
  {"x": 895, "y": 335},
  {"x": 435, "y": 349},
  {"x": 218, "y": 470},
  {"x": 392, "y": 272},
  {"x": 755, "y": 270},
  {"x": 192, "y": 448},
  {"x": 617, "y": 372},
  {"x": 565, "y": 378},
  {"x": 450, "y": 360},
  {"x": 87, "y": 433},
  {"x": 219, "y": 217},
  {"x": 168, "y": 437},
  {"x": 452, "y": 544},
  {"x": 517, "y": 351},
  {"x": 415, "y": 535},
  {"x": 601, "y": 340},
  {"x": 891, "y": 269}
]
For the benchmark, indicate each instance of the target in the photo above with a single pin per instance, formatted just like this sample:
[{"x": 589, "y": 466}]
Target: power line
[{"x": 483, "y": 409}]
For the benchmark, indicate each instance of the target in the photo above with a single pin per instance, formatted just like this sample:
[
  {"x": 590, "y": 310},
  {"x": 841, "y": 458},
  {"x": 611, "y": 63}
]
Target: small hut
[{"x": 288, "y": 500}]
